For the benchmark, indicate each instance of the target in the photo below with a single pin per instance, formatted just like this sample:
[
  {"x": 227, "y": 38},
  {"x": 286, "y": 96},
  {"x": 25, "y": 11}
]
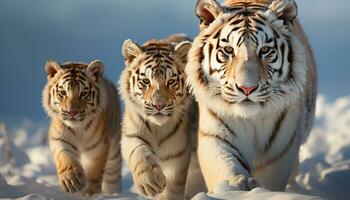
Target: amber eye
[
  {"x": 83, "y": 94},
  {"x": 265, "y": 49},
  {"x": 146, "y": 81},
  {"x": 171, "y": 81},
  {"x": 63, "y": 93},
  {"x": 228, "y": 50}
]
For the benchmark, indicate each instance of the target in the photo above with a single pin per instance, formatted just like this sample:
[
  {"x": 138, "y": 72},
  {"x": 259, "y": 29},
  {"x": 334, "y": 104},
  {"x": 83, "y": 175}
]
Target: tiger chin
[
  {"x": 158, "y": 123},
  {"x": 84, "y": 133},
  {"x": 253, "y": 74}
]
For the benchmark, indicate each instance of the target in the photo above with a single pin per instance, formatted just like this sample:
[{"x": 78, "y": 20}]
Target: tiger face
[
  {"x": 156, "y": 78},
  {"x": 72, "y": 92},
  {"x": 247, "y": 53}
]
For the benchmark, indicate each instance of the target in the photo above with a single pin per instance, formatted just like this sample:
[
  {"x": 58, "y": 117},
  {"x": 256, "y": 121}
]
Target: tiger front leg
[
  {"x": 148, "y": 176},
  {"x": 175, "y": 170},
  {"x": 220, "y": 162},
  {"x": 94, "y": 166},
  {"x": 70, "y": 173},
  {"x": 143, "y": 164}
]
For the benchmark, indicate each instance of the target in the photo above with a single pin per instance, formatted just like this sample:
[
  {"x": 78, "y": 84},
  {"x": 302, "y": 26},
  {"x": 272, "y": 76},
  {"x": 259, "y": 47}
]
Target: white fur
[{"x": 253, "y": 125}]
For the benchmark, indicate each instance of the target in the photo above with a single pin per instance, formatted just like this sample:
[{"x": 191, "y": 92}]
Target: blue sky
[{"x": 83, "y": 30}]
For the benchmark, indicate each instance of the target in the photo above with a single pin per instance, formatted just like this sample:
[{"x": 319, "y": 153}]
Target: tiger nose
[
  {"x": 159, "y": 107},
  {"x": 72, "y": 113},
  {"x": 247, "y": 90}
]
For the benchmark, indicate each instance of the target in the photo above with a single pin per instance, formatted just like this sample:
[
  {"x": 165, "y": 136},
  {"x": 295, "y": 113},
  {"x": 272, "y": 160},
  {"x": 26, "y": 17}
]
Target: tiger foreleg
[
  {"x": 112, "y": 176},
  {"x": 94, "y": 169},
  {"x": 219, "y": 163},
  {"x": 175, "y": 171},
  {"x": 70, "y": 173},
  {"x": 146, "y": 172}
]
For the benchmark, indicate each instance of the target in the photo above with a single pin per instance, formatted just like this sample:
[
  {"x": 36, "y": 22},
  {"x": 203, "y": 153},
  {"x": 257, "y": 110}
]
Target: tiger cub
[
  {"x": 84, "y": 134},
  {"x": 253, "y": 74},
  {"x": 156, "y": 128}
]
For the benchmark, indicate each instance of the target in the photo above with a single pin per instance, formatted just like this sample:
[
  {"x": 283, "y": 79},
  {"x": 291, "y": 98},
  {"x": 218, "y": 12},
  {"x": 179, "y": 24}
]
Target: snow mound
[{"x": 225, "y": 191}]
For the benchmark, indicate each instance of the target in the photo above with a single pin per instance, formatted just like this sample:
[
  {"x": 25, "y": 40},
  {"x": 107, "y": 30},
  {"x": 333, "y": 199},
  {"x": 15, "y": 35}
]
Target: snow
[{"x": 27, "y": 170}]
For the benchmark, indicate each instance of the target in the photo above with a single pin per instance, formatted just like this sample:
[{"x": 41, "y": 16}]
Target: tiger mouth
[{"x": 247, "y": 101}]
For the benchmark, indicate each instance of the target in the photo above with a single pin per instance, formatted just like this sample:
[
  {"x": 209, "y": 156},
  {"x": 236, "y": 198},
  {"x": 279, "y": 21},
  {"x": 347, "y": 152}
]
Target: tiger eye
[
  {"x": 146, "y": 81},
  {"x": 171, "y": 81},
  {"x": 228, "y": 50},
  {"x": 83, "y": 94},
  {"x": 265, "y": 49},
  {"x": 63, "y": 93}
]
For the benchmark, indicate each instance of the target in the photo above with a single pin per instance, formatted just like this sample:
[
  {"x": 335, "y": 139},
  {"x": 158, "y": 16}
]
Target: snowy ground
[{"x": 27, "y": 170}]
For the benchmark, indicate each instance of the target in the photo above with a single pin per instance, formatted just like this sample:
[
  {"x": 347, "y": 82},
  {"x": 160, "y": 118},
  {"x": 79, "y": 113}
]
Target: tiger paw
[
  {"x": 72, "y": 178},
  {"x": 150, "y": 180},
  {"x": 242, "y": 182}
]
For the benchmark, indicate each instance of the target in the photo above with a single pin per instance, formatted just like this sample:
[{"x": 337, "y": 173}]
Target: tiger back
[
  {"x": 84, "y": 133},
  {"x": 253, "y": 74},
  {"x": 159, "y": 115}
]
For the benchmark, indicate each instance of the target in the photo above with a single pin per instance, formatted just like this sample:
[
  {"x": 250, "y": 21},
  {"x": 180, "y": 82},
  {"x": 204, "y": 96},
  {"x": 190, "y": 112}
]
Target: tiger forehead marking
[
  {"x": 73, "y": 91},
  {"x": 154, "y": 76},
  {"x": 158, "y": 62}
]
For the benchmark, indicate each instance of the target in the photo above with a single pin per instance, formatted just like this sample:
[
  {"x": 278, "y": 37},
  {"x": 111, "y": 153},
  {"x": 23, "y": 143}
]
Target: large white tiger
[{"x": 253, "y": 74}]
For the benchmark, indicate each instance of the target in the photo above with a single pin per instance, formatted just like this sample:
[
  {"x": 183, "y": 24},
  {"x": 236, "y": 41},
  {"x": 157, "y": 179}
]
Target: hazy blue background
[{"x": 31, "y": 32}]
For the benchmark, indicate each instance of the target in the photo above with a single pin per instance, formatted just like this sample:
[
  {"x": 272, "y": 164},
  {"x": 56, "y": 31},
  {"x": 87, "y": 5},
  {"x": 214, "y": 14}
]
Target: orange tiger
[
  {"x": 84, "y": 134},
  {"x": 159, "y": 120}
]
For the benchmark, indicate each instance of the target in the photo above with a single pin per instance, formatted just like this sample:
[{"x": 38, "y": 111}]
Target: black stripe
[
  {"x": 237, "y": 21},
  {"x": 95, "y": 144},
  {"x": 279, "y": 155},
  {"x": 216, "y": 116},
  {"x": 139, "y": 138},
  {"x": 275, "y": 130},
  {"x": 88, "y": 125},
  {"x": 112, "y": 181},
  {"x": 144, "y": 122},
  {"x": 283, "y": 53},
  {"x": 171, "y": 133},
  {"x": 65, "y": 150},
  {"x": 238, "y": 156},
  {"x": 290, "y": 60},
  {"x": 64, "y": 141},
  {"x": 210, "y": 49},
  {"x": 177, "y": 154}
]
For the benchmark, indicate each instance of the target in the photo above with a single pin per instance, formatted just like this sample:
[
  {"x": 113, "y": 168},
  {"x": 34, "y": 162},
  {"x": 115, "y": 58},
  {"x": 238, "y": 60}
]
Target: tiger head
[
  {"x": 73, "y": 91},
  {"x": 153, "y": 80},
  {"x": 246, "y": 57}
]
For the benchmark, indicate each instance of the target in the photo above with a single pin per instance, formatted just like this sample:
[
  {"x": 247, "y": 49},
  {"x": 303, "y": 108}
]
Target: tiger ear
[
  {"x": 51, "y": 68},
  {"x": 181, "y": 50},
  {"x": 284, "y": 9},
  {"x": 95, "y": 69},
  {"x": 130, "y": 50},
  {"x": 207, "y": 11}
]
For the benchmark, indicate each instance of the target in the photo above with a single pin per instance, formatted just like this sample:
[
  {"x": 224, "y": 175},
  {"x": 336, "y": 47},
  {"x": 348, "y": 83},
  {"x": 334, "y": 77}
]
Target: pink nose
[
  {"x": 247, "y": 90},
  {"x": 159, "y": 107},
  {"x": 72, "y": 113}
]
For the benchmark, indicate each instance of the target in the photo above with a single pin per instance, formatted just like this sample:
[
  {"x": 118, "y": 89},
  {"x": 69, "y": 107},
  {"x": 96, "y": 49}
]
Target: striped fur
[
  {"x": 251, "y": 138},
  {"x": 156, "y": 128},
  {"x": 84, "y": 134}
]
